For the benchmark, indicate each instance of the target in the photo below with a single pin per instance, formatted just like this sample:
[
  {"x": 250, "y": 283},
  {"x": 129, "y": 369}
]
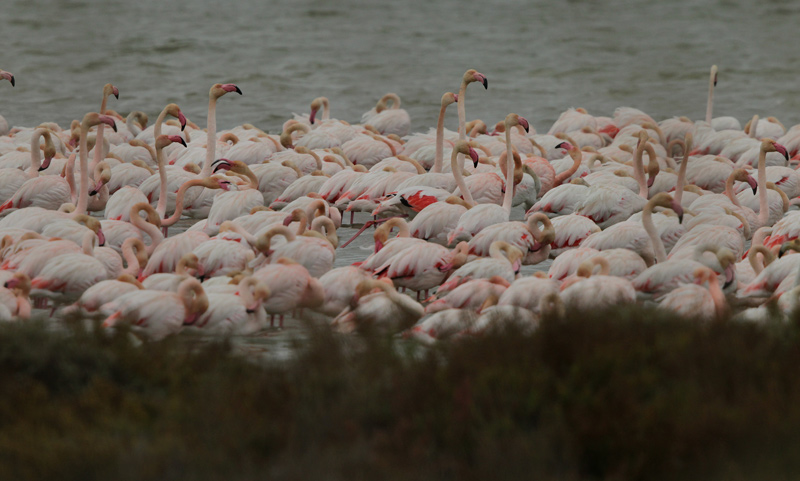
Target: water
[{"x": 541, "y": 57}]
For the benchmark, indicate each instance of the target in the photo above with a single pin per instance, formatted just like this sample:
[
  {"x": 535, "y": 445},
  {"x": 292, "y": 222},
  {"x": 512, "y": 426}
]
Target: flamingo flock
[{"x": 696, "y": 217}]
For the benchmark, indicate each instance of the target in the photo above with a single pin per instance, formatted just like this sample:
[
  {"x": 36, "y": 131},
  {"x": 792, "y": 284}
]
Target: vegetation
[{"x": 625, "y": 395}]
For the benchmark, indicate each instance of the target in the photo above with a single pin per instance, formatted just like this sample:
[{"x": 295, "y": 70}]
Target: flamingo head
[
  {"x": 109, "y": 89},
  {"x": 449, "y": 98},
  {"x": 218, "y": 90},
  {"x": 472, "y": 75},
  {"x": 8, "y": 76},
  {"x": 793, "y": 245},
  {"x": 316, "y": 104},
  {"x": 566, "y": 146}
]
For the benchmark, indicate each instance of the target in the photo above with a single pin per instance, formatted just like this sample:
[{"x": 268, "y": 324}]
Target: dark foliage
[{"x": 629, "y": 394}]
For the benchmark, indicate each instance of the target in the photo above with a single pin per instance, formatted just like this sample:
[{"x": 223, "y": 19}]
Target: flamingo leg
[
  {"x": 352, "y": 214},
  {"x": 281, "y": 321}
]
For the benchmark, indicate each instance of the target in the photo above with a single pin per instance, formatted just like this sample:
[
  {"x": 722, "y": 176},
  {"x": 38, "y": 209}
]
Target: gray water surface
[{"x": 541, "y": 57}]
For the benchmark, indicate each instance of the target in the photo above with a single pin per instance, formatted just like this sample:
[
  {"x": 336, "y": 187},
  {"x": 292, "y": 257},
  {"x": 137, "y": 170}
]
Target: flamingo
[
  {"x": 528, "y": 237},
  {"x": 384, "y": 310},
  {"x": 156, "y": 314},
  {"x": 235, "y": 313},
  {"x": 588, "y": 291},
  {"x": 388, "y": 120},
  {"x": 291, "y": 287},
  {"x": 504, "y": 260},
  {"x": 695, "y": 301}
]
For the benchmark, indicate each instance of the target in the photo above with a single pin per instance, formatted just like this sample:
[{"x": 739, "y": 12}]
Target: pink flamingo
[
  {"x": 694, "y": 300},
  {"x": 528, "y": 237},
  {"x": 291, "y": 287},
  {"x": 155, "y": 315},
  {"x": 388, "y": 120},
  {"x": 377, "y": 305}
]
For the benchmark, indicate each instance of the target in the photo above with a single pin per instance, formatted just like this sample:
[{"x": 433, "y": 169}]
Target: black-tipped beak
[
  {"x": 562, "y": 145},
  {"x": 41, "y": 168},
  {"x": 238, "y": 91},
  {"x": 116, "y": 96},
  {"x": 94, "y": 192},
  {"x": 183, "y": 142},
  {"x": 485, "y": 83},
  {"x": 13, "y": 81}
]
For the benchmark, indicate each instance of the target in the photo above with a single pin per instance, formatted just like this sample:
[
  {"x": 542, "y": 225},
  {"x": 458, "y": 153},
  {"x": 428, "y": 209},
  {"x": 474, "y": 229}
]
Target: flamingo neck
[
  {"x": 130, "y": 259},
  {"x": 83, "y": 165},
  {"x": 462, "y": 133},
  {"x": 36, "y": 155},
  {"x": 87, "y": 243},
  {"x": 152, "y": 231},
  {"x": 710, "y": 104},
  {"x": 509, "y": 194},
  {"x": 456, "y": 168},
  {"x": 577, "y": 158},
  {"x": 655, "y": 239},
  {"x": 763, "y": 206},
  {"x": 179, "y": 202},
  {"x": 438, "y": 158},
  {"x": 682, "y": 174},
  {"x": 638, "y": 170},
  {"x": 159, "y": 121},
  {"x": 161, "y": 207},
  {"x": 729, "y": 191},
  {"x": 211, "y": 137}
]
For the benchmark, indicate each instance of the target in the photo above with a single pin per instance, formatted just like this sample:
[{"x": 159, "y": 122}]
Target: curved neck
[
  {"x": 766, "y": 258},
  {"x": 438, "y": 158},
  {"x": 69, "y": 174},
  {"x": 456, "y": 168},
  {"x": 577, "y": 158},
  {"x": 87, "y": 243},
  {"x": 152, "y": 231},
  {"x": 638, "y": 169},
  {"x": 179, "y": 201},
  {"x": 729, "y": 189},
  {"x": 130, "y": 257},
  {"x": 509, "y": 194},
  {"x": 650, "y": 228},
  {"x": 211, "y": 137},
  {"x": 36, "y": 154},
  {"x": 159, "y": 121}
]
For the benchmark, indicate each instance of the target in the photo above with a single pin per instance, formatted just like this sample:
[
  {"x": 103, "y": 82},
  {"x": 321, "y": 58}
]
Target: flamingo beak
[
  {"x": 564, "y": 145},
  {"x": 288, "y": 220},
  {"x": 650, "y": 180},
  {"x": 753, "y": 184},
  {"x": 182, "y": 120},
  {"x": 678, "y": 209},
  {"x": 312, "y": 116},
  {"x": 45, "y": 164},
  {"x": 780, "y": 148},
  {"x": 479, "y": 77},
  {"x": 109, "y": 120},
  {"x": 715, "y": 80},
  {"x": 455, "y": 97},
  {"x": 524, "y": 123},
  {"x": 474, "y": 156},
  {"x": 232, "y": 88},
  {"x": 177, "y": 139},
  {"x": 8, "y": 76},
  {"x": 224, "y": 164},
  {"x": 116, "y": 93},
  {"x": 101, "y": 238}
]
